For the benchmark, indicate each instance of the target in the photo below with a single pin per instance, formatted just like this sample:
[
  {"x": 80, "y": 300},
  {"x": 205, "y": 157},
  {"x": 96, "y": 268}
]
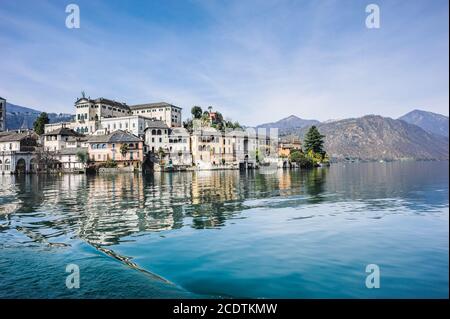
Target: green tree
[
  {"x": 205, "y": 118},
  {"x": 161, "y": 155},
  {"x": 40, "y": 122},
  {"x": 110, "y": 163},
  {"x": 188, "y": 125},
  {"x": 304, "y": 161},
  {"x": 196, "y": 112},
  {"x": 218, "y": 118},
  {"x": 124, "y": 148},
  {"x": 83, "y": 157},
  {"x": 314, "y": 141}
]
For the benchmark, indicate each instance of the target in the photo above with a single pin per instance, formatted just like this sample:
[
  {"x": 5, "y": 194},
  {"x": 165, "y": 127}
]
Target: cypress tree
[{"x": 314, "y": 141}]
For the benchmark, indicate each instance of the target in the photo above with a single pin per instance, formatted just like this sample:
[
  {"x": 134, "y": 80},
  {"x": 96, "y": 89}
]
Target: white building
[
  {"x": 157, "y": 137},
  {"x": 69, "y": 158},
  {"x": 2, "y": 114},
  {"x": 180, "y": 146},
  {"x": 62, "y": 138},
  {"x": 162, "y": 111},
  {"x": 54, "y": 126},
  {"x": 17, "y": 152},
  {"x": 134, "y": 124},
  {"x": 89, "y": 112}
]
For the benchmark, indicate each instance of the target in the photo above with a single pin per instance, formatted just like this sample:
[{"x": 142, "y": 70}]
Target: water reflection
[{"x": 103, "y": 210}]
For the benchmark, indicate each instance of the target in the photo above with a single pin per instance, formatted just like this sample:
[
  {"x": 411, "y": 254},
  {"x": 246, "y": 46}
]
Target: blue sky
[{"x": 255, "y": 61}]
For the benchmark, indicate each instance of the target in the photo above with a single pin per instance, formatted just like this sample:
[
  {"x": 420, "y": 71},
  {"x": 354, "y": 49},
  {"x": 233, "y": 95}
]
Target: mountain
[
  {"x": 430, "y": 122},
  {"x": 23, "y": 117},
  {"x": 288, "y": 123},
  {"x": 374, "y": 137}
]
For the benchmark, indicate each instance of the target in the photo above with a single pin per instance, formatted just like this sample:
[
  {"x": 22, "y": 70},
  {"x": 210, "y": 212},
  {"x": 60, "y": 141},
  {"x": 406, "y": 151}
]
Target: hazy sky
[{"x": 255, "y": 61}]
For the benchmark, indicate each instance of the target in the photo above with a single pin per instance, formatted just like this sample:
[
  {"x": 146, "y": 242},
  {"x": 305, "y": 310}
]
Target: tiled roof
[
  {"x": 81, "y": 138},
  {"x": 152, "y": 105},
  {"x": 156, "y": 124},
  {"x": 105, "y": 101},
  {"x": 14, "y": 136},
  {"x": 64, "y": 131},
  {"x": 115, "y": 137},
  {"x": 179, "y": 131}
]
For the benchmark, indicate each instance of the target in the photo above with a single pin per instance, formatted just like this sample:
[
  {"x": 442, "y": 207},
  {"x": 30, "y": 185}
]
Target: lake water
[{"x": 271, "y": 234}]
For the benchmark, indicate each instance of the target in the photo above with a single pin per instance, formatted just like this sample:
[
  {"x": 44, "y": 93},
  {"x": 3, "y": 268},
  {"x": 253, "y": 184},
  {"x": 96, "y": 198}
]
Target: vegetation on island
[
  {"x": 313, "y": 153},
  {"x": 40, "y": 122},
  {"x": 209, "y": 118}
]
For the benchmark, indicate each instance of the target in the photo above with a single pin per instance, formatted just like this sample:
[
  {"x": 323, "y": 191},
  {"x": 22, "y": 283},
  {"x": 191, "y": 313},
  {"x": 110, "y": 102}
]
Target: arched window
[
  {"x": 7, "y": 165},
  {"x": 1, "y": 165},
  {"x": 158, "y": 132},
  {"x": 153, "y": 132}
]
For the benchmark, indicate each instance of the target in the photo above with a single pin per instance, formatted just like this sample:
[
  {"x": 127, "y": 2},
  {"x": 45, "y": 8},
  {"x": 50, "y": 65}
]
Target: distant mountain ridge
[
  {"x": 373, "y": 137},
  {"x": 429, "y": 121},
  {"x": 288, "y": 123},
  {"x": 20, "y": 117}
]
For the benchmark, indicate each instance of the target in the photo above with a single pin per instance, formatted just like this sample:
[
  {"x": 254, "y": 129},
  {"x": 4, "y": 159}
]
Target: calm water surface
[{"x": 282, "y": 234}]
